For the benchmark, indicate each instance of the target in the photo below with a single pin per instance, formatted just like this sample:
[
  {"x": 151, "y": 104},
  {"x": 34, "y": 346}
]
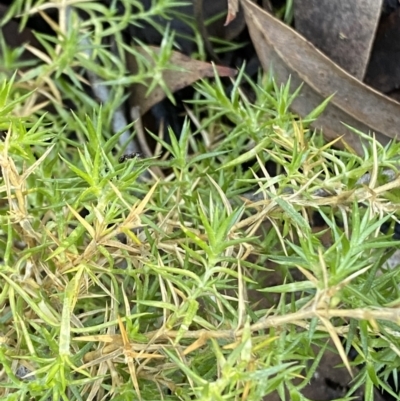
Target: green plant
[{"x": 117, "y": 286}]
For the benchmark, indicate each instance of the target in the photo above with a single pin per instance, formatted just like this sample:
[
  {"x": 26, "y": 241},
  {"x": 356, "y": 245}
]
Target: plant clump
[{"x": 194, "y": 273}]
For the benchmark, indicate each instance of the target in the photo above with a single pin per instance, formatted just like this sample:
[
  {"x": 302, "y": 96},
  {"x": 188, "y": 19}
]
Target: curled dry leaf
[
  {"x": 233, "y": 7},
  {"x": 193, "y": 70},
  {"x": 343, "y": 30},
  {"x": 290, "y": 55}
]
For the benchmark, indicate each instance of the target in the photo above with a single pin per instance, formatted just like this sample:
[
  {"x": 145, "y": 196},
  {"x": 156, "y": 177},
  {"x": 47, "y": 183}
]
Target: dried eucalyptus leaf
[
  {"x": 187, "y": 72},
  {"x": 233, "y": 7},
  {"x": 290, "y": 55},
  {"x": 343, "y": 30}
]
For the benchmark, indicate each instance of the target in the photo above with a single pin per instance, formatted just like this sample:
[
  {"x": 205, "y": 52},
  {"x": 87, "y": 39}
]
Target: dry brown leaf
[
  {"x": 233, "y": 7},
  {"x": 355, "y": 104},
  {"x": 174, "y": 79},
  {"x": 343, "y": 30}
]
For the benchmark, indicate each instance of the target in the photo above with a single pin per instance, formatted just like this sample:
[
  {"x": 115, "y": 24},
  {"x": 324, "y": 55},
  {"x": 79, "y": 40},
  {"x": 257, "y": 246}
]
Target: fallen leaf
[
  {"x": 290, "y": 55},
  {"x": 174, "y": 79},
  {"x": 343, "y": 30},
  {"x": 233, "y": 7}
]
